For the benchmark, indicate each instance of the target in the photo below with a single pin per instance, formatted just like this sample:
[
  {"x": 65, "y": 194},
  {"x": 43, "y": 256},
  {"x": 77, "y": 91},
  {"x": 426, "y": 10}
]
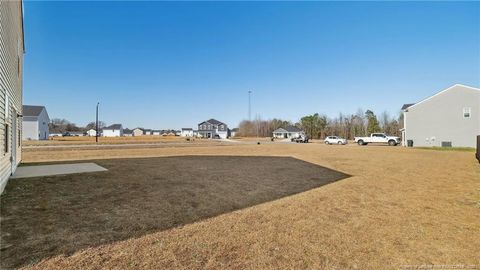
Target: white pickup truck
[{"x": 378, "y": 138}]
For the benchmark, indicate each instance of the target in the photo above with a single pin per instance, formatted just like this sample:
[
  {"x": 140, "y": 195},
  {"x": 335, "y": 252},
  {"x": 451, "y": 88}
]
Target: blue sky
[{"x": 174, "y": 64}]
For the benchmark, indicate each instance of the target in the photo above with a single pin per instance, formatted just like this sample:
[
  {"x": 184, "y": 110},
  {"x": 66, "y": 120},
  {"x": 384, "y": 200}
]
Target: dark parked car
[
  {"x": 300, "y": 139},
  {"x": 67, "y": 134}
]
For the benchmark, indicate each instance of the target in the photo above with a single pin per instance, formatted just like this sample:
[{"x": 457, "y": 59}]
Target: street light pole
[{"x": 96, "y": 125}]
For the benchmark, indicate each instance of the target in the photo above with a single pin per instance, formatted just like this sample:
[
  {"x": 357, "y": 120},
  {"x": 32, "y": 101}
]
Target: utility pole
[
  {"x": 249, "y": 106},
  {"x": 96, "y": 125}
]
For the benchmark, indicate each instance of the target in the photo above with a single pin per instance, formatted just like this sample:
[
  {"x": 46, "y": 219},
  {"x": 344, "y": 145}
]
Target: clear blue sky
[{"x": 171, "y": 65}]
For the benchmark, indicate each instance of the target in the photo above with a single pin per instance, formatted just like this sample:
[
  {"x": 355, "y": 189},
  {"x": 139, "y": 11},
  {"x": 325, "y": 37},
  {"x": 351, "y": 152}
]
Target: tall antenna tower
[{"x": 249, "y": 106}]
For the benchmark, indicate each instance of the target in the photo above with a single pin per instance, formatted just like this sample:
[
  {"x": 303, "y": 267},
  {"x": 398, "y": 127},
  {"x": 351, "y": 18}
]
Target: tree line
[
  {"x": 58, "y": 125},
  {"x": 318, "y": 126}
]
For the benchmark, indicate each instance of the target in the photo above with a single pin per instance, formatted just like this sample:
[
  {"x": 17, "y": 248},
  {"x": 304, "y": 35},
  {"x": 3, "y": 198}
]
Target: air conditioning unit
[{"x": 446, "y": 144}]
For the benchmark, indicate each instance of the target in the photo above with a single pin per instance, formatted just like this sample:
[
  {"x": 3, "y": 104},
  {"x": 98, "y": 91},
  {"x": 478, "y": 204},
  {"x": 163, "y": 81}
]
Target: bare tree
[
  {"x": 319, "y": 126},
  {"x": 259, "y": 127},
  {"x": 58, "y": 125},
  {"x": 92, "y": 125}
]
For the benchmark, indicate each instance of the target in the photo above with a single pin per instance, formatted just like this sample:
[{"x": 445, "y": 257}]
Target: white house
[
  {"x": 234, "y": 132},
  {"x": 288, "y": 132},
  {"x": 35, "y": 123},
  {"x": 448, "y": 118},
  {"x": 137, "y": 132},
  {"x": 91, "y": 132},
  {"x": 115, "y": 130},
  {"x": 186, "y": 132},
  {"x": 127, "y": 132}
]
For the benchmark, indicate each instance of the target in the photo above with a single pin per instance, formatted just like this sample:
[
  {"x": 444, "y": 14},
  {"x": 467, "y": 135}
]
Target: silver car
[{"x": 335, "y": 140}]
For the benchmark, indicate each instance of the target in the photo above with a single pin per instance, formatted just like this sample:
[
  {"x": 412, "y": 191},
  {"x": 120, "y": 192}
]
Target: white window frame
[{"x": 467, "y": 111}]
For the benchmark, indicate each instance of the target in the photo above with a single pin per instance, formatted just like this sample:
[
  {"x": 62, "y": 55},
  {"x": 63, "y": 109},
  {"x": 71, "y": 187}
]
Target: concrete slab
[{"x": 57, "y": 169}]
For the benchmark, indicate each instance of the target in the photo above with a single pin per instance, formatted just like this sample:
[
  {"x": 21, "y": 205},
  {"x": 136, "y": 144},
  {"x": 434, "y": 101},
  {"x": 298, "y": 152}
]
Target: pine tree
[{"x": 372, "y": 124}]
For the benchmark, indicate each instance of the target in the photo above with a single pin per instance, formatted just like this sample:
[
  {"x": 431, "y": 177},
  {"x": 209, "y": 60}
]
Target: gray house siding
[
  {"x": 212, "y": 127},
  {"x": 11, "y": 74},
  {"x": 440, "y": 118}
]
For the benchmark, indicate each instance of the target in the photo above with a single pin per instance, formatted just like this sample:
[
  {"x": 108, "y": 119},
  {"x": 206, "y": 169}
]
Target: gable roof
[
  {"x": 280, "y": 130},
  {"x": 443, "y": 91},
  {"x": 406, "y": 106},
  {"x": 287, "y": 129},
  {"x": 31, "y": 110},
  {"x": 292, "y": 129},
  {"x": 114, "y": 126},
  {"x": 213, "y": 122}
]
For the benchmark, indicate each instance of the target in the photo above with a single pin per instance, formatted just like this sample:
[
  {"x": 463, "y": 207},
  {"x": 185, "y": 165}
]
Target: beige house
[
  {"x": 450, "y": 118},
  {"x": 11, "y": 77},
  {"x": 288, "y": 132},
  {"x": 137, "y": 132}
]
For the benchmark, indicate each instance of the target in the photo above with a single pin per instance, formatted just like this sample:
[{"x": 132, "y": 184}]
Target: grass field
[
  {"x": 400, "y": 207},
  {"x": 106, "y": 140}
]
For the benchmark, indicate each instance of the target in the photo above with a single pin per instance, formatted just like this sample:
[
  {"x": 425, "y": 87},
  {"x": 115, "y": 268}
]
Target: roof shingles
[{"x": 30, "y": 110}]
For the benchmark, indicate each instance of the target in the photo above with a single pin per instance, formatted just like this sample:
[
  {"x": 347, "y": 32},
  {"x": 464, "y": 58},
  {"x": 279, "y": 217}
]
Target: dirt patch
[{"x": 47, "y": 216}]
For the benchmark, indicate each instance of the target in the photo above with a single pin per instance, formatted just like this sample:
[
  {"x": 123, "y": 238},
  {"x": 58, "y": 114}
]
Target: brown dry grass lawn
[
  {"x": 107, "y": 140},
  {"x": 400, "y": 207},
  {"x": 63, "y": 214}
]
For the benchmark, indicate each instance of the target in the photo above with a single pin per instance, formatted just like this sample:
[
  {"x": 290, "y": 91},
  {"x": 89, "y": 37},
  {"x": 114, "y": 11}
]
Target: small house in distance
[
  {"x": 147, "y": 132},
  {"x": 127, "y": 132},
  {"x": 450, "y": 118},
  {"x": 137, "y": 132},
  {"x": 186, "y": 132},
  {"x": 288, "y": 132},
  {"x": 35, "y": 123},
  {"x": 234, "y": 132},
  {"x": 91, "y": 132},
  {"x": 115, "y": 130},
  {"x": 213, "y": 129}
]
